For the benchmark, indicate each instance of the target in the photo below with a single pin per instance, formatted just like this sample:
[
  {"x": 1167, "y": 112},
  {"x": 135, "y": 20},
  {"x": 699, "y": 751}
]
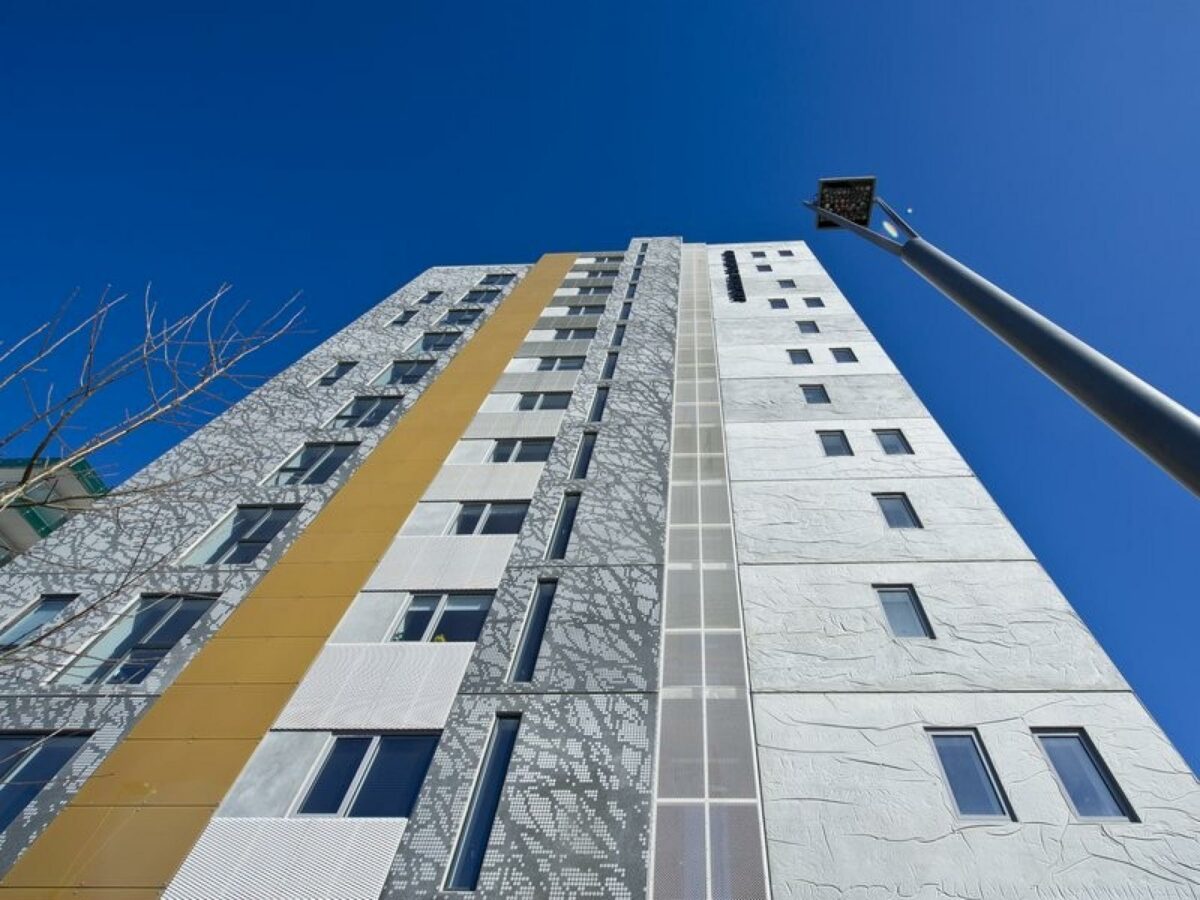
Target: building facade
[
  {"x": 45, "y": 505},
  {"x": 623, "y": 574}
]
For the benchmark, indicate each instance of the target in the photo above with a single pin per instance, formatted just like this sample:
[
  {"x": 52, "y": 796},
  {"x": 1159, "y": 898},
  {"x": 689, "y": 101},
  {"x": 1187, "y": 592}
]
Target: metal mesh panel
[
  {"x": 679, "y": 865},
  {"x": 737, "y": 859}
]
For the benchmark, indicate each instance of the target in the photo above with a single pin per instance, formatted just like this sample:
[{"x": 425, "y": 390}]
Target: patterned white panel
[
  {"x": 452, "y": 562},
  {"x": 289, "y": 859},
  {"x": 386, "y": 686},
  {"x": 536, "y": 423},
  {"x": 537, "y": 381},
  {"x": 510, "y": 481}
]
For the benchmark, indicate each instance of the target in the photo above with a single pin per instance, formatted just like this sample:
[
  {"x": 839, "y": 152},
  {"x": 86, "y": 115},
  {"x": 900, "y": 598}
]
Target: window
[
  {"x": 808, "y": 326},
  {"x": 898, "y": 511},
  {"x": 599, "y": 402},
  {"x": 800, "y": 357},
  {"x": 618, "y": 337},
  {"x": 477, "y": 296},
  {"x": 24, "y": 626},
  {"x": 405, "y": 317},
  {"x": 574, "y": 334},
  {"x": 764, "y": 267},
  {"x": 595, "y": 291},
  {"x": 626, "y": 312},
  {"x": 758, "y": 254},
  {"x": 843, "y": 355},
  {"x": 241, "y": 536},
  {"x": 530, "y": 644},
  {"x": 786, "y": 253},
  {"x": 563, "y": 527},
  {"x": 905, "y": 615},
  {"x": 598, "y": 273},
  {"x": 814, "y": 302},
  {"x": 370, "y": 775},
  {"x": 463, "y": 316},
  {"x": 560, "y": 363},
  {"x": 522, "y": 450},
  {"x": 973, "y": 783},
  {"x": 589, "y": 309},
  {"x": 583, "y": 457},
  {"x": 404, "y": 371},
  {"x": 489, "y": 518},
  {"x": 28, "y": 760},
  {"x": 787, "y": 283},
  {"x": 893, "y": 441},
  {"x": 777, "y": 303},
  {"x": 443, "y": 618},
  {"x": 631, "y": 290},
  {"x": 431, "y": 341},
  {"x": 1084, "y": 778},
  {"x": 835, "y": 443},
  {"x": 498, "y": 278},
  {"x": 137, "y": 642},
  {"x": 430, "y": 296},
  {"x": 313, "y": 464},
  {"x": 815, "y": 393},
  {"x": 335, "y": 372},
  {"x": 364, "y": 412},
  {"x": 544, "y": 400},
  {"x": 472, "y": 841},
  {"x": 610, "y": 366}
]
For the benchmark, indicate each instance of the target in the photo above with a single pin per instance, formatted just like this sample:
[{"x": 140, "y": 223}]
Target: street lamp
[{"x": 1161, "y": 428}]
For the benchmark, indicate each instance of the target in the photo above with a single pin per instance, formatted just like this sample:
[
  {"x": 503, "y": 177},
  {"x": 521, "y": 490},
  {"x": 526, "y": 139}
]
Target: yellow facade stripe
[{"x": 128, "y": 829}]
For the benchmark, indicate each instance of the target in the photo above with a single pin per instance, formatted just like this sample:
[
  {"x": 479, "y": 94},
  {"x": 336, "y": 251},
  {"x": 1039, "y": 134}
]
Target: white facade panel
[
  {"x": 505, "y": 481},
  {"x": 536, "y": 423},
  {"x": 452, "y": 562}
]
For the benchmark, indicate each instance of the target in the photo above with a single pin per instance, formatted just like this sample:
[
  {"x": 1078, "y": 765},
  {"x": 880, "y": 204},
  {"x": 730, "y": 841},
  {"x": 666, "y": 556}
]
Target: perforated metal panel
[{"x": 289, "y": 859}]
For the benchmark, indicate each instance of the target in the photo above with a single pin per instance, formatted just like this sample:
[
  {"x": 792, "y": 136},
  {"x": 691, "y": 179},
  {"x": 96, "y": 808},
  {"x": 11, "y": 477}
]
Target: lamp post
[{"x": 1161, "y": 428}]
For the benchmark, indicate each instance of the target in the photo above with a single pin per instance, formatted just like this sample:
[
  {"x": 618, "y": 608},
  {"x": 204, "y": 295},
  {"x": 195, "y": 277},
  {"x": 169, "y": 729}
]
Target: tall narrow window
[
  {"x": 807, "y": 326},
  {"x": 370, "y": 776},
  {"x": 138, "y": 640},
  {"x": 972, "y": 780},
  {"x": 843, "y": 355},
  {"x": 404, "y": 371},
  {"x": 618, "y": 337},
  {"x": 898, "y": 512},
  {"x": 800, "y": 357},
  {"x": 835, "y": 443},
  {"x": 241, "y": 535},
  {"x": 485, "y": 800},
  {"x": 28, "y": 761},
  {"x": 335, "y": 373},
  {"x": 313, "y": 463},
  {"x": 599, "y": 402},
  {"x": 893, "y": 441},
  {"x": 631, "y": 291},
  {"x": 430, "y": 296},
  {"x": 405, "y": 317},
  {"x": 903, "y": 610},
  {"x": 815, "y": 393},
  {"x": 583, "y": 457},
  {"x": 535, "y": 630},
  {"x": 626, "y": 311},
  {"x": 610, "y": 366},
  {"x": 1086, "y": 781},
  {"x": 563, "y": 526},
  {"x": 28, "y": 623},
  {"x": 364, "y": 412}
]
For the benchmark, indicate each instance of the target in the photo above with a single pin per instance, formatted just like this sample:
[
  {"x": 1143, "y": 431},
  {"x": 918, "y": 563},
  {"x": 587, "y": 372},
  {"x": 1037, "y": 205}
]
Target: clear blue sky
[{"x": 340, "y": 149}]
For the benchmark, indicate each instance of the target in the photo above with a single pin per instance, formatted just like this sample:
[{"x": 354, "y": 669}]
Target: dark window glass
[
  {"x": 610, "y": 366},
  {"x": 898, "y": 511},
  {"x": 329, "y": 788},
  {"x": 481, "y": 296},
  {"x": 972, "y": 782},
  {"x": 503, "y": 450},
  {"x": 242, "y": 536},
  {"x": 365, "y": 412},
  {"x": 843, "y": 355},
  {"x": 574, "y": 334},
  {"x": 814, "y": 302},
  {"x": 835, "y": 443},
  {"x": 903, "y": 610},
  {"x": 590, "y": 309},
  {"x": 786, "y": 253},
  {"x": 778, "y": 303},
  {"x": 599, "y": 402},
  {"x": 800, "y": 357},
  {"x": 626, "y": 311},
  {"x": 485, "y": 800},
  {"x": 618, "y": 337},
  {"x": 757, "y": 254},
  {"x": 893, "y": 442},
  {"x": 415, "y": 624},
  {"x": 497, "y": 278},
  {"x": 393, "y": 781},
  {"x": 807, "y": 326},
  {"x": 1085, "y": 778},
  {"x": 430, "y": 296},
  {"x": 405, "y": 317},
  {"x": 787, "y": 283},
  {"x": 560, "y": 363},
  {"x": 469, "y": 515},
  {"x": 27, "y": 763},
  {"x": 462, "y": 618},
  {"x": 314, "y": 463},
  {"x": 335, "y": 373},
  {"x": 763, "y": 267},
  {"x": 631, "y": 290},
  {"x": 815, "y": 393},
  {"x": 564, "y": 526},
  {"x": 555, "y": 400},
  {"x": 30, "y": 622},
  {"x": 534, "y": 450},
  {"x": 535, "y": 629},
  {"x": 405, "y": 371},
  {"x": 583, "y": 458},
  {"x": 504, "y": 518},
  {"x": 438, "y": 340},
  {"x": 460, "y": 316}
]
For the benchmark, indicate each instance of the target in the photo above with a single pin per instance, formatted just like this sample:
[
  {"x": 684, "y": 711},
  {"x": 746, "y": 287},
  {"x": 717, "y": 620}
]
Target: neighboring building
[
  {"x": 46, "y": 505},
  {"x": 625, "y": 574}
]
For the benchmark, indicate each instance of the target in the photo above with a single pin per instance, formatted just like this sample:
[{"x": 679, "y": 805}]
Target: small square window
[
  {"x": 405, "y": 317},
  {"x": 786, "y": 253},
  {"x": 815, "y": 393},
  {"x": 893, "y": 442},
  {"x": 969, "y": 774},
  {"x": 814, "y": 302},
  {"x": 843, "y": 355},
  {"x": 808, "y": 326},
  {"x": 1085, "y": 780},
  {"x": 835, "y": 443},
  {"x": 335, "y": 373},
  {"x": 898, "y": 512},
  {"x": 758, "y": 254},
  {"x": 800, "y": 357},
  {"x": 903, "y": 610},
  {"x": 778, "y": 303},
  {"x": 763, "y": 267},
  {"x": 787, "y": 282},
  {"x": 430, "y": 297}
]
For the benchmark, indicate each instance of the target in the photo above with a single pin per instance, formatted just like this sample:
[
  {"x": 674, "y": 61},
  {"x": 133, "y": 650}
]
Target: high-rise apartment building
[{"x": 624, "y": 574}]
